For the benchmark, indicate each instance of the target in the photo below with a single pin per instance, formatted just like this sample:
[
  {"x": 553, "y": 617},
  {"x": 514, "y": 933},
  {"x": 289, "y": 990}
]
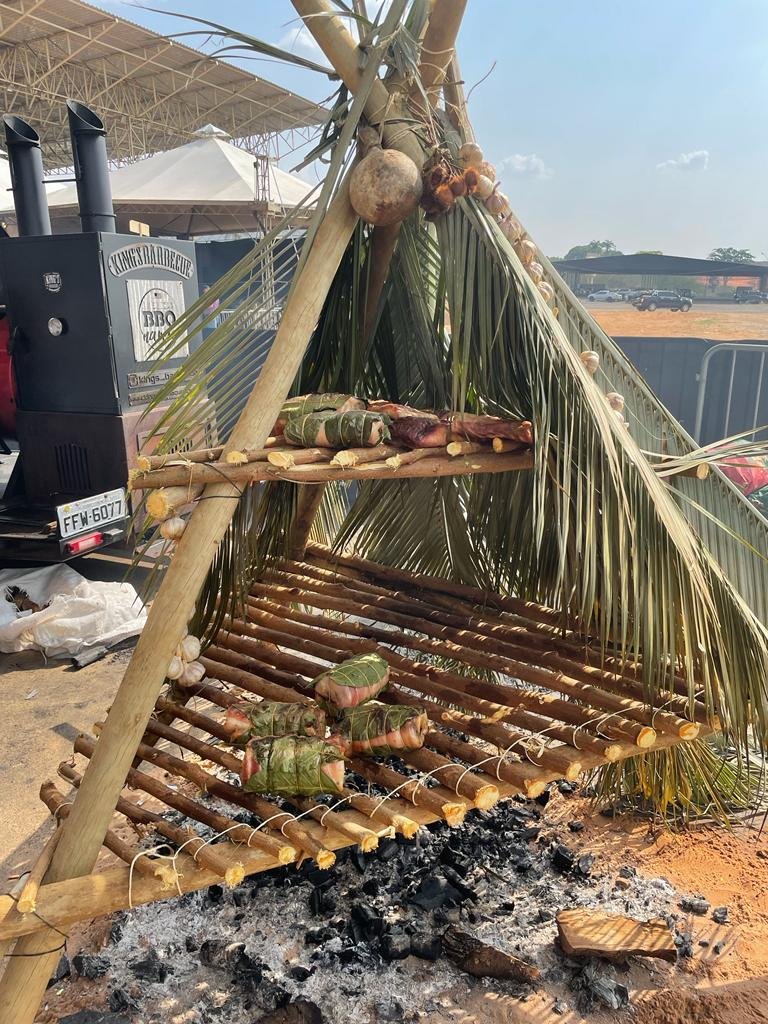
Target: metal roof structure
[
  {"x": 152, "y": 93},
  {"x": 653, "y": 263}
]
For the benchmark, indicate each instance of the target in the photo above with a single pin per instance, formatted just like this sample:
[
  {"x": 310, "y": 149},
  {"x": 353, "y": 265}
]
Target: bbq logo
[
  {"x": 149, "y": 254},
  {"x": 154, "y": 307}
]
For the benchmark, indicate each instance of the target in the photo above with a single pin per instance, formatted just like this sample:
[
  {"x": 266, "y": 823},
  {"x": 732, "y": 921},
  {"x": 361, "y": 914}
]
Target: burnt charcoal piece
[
  {"x": 523, "y": 864},
  {"x": 684, "y": 943},
  {"x": 371, "y": 923},
  {"x": 529, "y": 833},
  {"x": 543, "y": 798},
  {"x": 435, "y": 892},
  {"x": 63, "y": 970},
  {"x": 563, "y": 858},
  {"x": 395, "y": 947},
  {"x": 273, "y": 996},
  {"x": 90, "y": 967},
  {"x": 300, "y": 1011},
  {"x": 566, "y": 788},
  {"x": 191, "y": 944},
  {"x": 315, "y": 936},
  {"x": 468, "y": 892},
  {"x": 460, "y": 862},
  {"x": 358, "y": 859},
  {"x": 718, "y": 948},
  {"x": 704, "y": 943},
  {"x": 426, "y": 947},
  {"x": 223, "y": 954},
  {"x": 584, "y": 865},
  {"x": 720, "y": 915},
  {"x": 370, "y": 887},
  {"x": 389, "y": 1010},
  {"x": 214, "y": 894},
  {"x": 119, "y": 1000},
  {"x": 321, "y": 902},
  {"x": 576, "y": 826},
  {"x": 150, "y": 969},
  {"x": 299, "y": 972},
  {"x": 560, "y": 1007},
  {"x": 694, "y": 905},
  {"x": 388, "y": 850},
  {"x": 627, "y": 872}
]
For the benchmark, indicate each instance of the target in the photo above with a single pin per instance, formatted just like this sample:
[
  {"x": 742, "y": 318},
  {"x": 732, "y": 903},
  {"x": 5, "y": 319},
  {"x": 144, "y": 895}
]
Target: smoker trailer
[{"x": 82, "y": 314}]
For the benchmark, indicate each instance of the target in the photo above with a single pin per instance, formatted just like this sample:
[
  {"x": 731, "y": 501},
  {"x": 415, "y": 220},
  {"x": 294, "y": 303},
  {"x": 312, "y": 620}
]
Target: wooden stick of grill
[
  {"x": 290, "y": 457},
  {"x": 365, "y": 838},
  {"x": 58, "y": 805},
  {"x": 485, "y": 728},
  {"x": 537, "y": 616},
  {"x": 453, "y": 611},
  {"x": 483, "y": 794},
  {"x": 439, "y": 800},
  {"x": 145, "y": 463},
  {"x": 280, "y": 821},
  {"x": 236, "y": 832},
  {"x": 407, "y": 458},
  {"x": 524, "y": 777},
  {"x": 559, "y": 673},
  {"x": 27, "y": 901},
  {"x": 186, "y": 838},
  {"x": 359, "y": 456},
  {"x": 198, "y": 475},
  {"x": 613, "y": 726}
]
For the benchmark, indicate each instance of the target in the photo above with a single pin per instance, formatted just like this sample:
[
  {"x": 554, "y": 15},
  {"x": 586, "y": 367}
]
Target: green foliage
[
  {"x": 593, "y": 248},
  {"x": 727, "y": 254}
]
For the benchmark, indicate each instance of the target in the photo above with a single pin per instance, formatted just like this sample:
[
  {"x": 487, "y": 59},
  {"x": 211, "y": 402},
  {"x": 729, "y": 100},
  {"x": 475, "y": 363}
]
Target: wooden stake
[
  {"x": 28, "y": 898},
  {"x": 309, "y": 501}
]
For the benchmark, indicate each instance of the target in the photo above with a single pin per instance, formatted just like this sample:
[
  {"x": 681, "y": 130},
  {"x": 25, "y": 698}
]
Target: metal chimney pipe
[
  {"x": 89, "y": 148},
  {"x": 25, "y": 159}
]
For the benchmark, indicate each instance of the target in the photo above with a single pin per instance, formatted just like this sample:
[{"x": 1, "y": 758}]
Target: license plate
[{"x": 91, "y": 513}]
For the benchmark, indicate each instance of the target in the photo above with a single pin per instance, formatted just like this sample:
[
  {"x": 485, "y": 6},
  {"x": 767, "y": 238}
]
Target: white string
[{"x": 159, "y": 856}]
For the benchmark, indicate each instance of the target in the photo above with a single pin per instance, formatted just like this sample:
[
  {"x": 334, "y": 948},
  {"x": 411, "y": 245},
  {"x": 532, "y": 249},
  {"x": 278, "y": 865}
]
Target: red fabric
[{"x": 748, "y": 473}]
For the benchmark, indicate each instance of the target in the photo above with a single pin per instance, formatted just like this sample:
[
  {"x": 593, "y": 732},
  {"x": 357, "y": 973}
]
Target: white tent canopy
[{"x": 207, "y": 187}]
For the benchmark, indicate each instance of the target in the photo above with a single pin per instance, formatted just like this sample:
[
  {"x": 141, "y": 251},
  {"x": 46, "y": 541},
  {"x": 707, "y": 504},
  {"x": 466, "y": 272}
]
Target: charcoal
[
  {"x": 684, "y": 943},
  {"x": 529, "y": 833},
  {"x": 321, "y": 902},
  {"x": 395, "y": 947},
  {"x": 222, "y": 954},
  {"x": 115, "y": 931},
  {"x": 459, "y": 861},
  {"x": 704, "y": 943},
  {"x": 90, "y": 967},
  {"x": 597, "y": 983},
  {"x": 299, "y": 972},
  {"x": 584, "y": 864},
  {"x": 150, "y": 969},
  {"x": 358, "y": 858},
  {"x": 563, "y": 858},
  {"x": 426, "y": 947},
  {"x": 191, "y": 944},
  {"x": 435, "y": 892},
  {"x": 625, "y": 871},
  {"x": 576, "y": 826},
  {"x": 560, "y": 1007},
  {"x": 272, "y": 996},
  {"x": 63, "y": 970},
  {"x": 524, "y": 863},
  {"x": 543, "y": 798},
  {"x": 315, "y": 936},
  {"x": 694, "y": 905},
  {"x": 467, "y": 891},
  {"x": 371, "y": 922},
  {"x": 720, "y": 915},
  {"x": 388, "y": 850},
  {"x": 545, "y": 915},
  {"x": 370, "y": 887},
  {"x": 566, "y": 788},
  {"x": 718, "y": 948},
  {"x": 118, "y": 1000},
  {"x": 214, "y": 894}
]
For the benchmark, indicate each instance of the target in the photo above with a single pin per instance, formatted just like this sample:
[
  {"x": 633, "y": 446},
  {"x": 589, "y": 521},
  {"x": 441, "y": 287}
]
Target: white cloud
[
  {"x": 300, "y": 39},
  {"x": 526, "y": 165},
  {"x": 696, "y": 160}
]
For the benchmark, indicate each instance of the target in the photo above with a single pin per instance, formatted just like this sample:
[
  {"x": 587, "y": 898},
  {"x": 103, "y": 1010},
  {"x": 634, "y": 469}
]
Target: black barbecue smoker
[{"x": 83, "y": 312}]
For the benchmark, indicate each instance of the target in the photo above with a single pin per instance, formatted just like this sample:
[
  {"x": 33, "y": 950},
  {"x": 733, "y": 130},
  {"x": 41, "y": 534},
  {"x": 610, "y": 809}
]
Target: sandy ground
[{"x": 721, "y": 323}]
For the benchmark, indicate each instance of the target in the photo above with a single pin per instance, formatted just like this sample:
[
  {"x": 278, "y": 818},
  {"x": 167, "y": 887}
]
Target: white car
[{"x": 604, "y": 296}]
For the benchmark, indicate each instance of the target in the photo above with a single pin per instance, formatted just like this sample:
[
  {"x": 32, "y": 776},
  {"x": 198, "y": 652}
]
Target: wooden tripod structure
[{"x": 67, "y": 868}]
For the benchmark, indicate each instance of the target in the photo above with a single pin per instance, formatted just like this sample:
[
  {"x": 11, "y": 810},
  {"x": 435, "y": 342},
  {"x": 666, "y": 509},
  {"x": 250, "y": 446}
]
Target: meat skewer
[
  {"x": 292, "y": 766},
  {"x": 420, "y": 432},
  {"x": 380, "y": 729},
  {"x": 353, "y": 682},
  {"x": 337, "y": 430},
  {"x": 249, "y": 719}
]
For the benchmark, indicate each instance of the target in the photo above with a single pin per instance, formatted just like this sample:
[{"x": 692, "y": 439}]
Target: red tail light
[{"x": 81, "y": 544}]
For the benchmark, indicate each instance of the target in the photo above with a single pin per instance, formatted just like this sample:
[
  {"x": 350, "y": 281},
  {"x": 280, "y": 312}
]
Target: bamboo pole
[
  {"x": 312, "y": 470},
  {"x": 438, "y": 47}
]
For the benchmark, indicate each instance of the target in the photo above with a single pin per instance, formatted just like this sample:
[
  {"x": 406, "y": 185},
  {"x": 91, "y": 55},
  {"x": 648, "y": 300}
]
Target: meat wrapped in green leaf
[
  {"x": 352, "y": 682},
  {"x": 250, "y": 719},
  {"x": 337, "y": 430},
  {"x": 292, "y": 766},
  {"x": 380, "y": 729}
]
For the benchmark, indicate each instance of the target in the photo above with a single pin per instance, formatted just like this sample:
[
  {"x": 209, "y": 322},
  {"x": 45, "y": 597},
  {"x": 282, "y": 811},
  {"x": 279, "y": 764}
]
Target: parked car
[
  {"x": 634, "y": 293},
  {"x": 604, "y": 295},
  {"x": 663, "y": 300},
  {"x": 749, "y": 295}
]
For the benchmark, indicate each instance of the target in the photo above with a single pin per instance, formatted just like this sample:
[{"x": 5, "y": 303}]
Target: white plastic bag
[{"x": 80, "y": 613}]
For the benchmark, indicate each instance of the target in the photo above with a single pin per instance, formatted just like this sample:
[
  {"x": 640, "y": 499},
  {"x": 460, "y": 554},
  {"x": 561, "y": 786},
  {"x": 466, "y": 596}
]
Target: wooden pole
[
  {"x": 455, "y": 101},
  {"x": 310, "y": 499},
  {"x": 438, "y": 47},
  {"x": 28, "y": 898}
]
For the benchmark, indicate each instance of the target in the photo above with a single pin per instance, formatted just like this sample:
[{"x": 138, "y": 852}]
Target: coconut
[{"x": 385, "y": 187}]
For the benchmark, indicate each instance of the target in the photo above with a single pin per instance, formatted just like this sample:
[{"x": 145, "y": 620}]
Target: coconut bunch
[{"x": 487, "y": 189}]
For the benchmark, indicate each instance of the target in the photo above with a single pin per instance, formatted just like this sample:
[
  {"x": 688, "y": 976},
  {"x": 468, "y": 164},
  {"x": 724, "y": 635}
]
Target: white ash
[{"x": 517, "y": 889}]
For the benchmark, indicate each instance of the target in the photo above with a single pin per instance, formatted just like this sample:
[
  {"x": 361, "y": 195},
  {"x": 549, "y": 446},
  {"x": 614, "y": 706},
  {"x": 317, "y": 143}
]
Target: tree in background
[
  {"x": 727, "y": 254},
  {"x": 594, "y": 248}
]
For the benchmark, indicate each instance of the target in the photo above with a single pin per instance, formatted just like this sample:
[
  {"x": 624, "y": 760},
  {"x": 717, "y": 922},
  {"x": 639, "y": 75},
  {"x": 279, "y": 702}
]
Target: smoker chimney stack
[
  {"x": 26, "y": 162},
  {"x": 89, "y": 148}
]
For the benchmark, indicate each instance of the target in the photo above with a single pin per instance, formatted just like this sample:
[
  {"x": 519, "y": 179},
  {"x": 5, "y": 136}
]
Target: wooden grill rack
[{"x": 545, "y": 706}]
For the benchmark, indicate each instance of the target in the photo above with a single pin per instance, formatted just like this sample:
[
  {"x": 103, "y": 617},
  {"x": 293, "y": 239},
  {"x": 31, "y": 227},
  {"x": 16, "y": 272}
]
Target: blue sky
[{"x": 643, "y": 123}]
